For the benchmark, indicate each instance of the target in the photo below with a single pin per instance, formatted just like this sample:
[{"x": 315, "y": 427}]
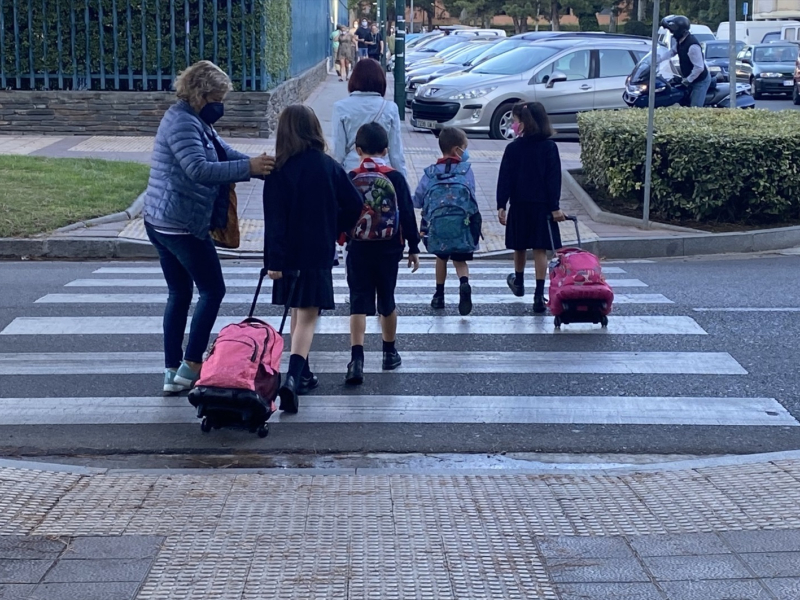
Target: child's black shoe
[
  {"x": 391, "y": 360},
  {"x": 539, "y": 306},
  {"x": 355, "y": 372},
  {"x": 464, "y": 299},
  {"x": 437, "y": 301},
  {"x": 517, "y": 290}
]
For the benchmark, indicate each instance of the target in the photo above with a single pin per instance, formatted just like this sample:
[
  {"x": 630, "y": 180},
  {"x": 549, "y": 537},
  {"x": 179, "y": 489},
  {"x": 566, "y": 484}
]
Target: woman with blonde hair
[{"x": 187, "y": 196}]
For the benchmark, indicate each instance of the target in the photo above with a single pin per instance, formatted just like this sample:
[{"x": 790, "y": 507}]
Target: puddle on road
[{"x": 410, "y": 462}]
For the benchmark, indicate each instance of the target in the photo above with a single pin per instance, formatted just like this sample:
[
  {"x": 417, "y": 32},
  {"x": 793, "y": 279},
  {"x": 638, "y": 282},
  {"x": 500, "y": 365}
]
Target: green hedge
[
  {"x": 38, "y": 25},
  {"x": 708, "y": 164}
]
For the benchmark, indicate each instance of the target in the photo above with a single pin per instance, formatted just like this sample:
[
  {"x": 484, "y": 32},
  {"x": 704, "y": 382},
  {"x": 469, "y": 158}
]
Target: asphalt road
[{"x": 664, "y": 378}]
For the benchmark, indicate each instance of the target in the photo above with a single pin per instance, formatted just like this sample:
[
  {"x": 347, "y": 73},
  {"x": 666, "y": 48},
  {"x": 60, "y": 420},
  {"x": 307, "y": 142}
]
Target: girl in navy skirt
[
  {"x": 528, "y": 194},
  {"x": 308, "y": 201}
]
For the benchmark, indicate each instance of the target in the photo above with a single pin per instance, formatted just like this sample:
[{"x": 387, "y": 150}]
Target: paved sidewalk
[
  {"x": 700, "y": 532},
  {"x": 421, "y": 150}
]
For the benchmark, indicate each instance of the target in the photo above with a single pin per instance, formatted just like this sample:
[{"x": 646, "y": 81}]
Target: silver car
[{"x": 567, "y": 76}]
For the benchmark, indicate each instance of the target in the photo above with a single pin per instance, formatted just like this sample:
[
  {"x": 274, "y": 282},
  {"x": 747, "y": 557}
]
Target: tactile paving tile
[
  {"x": 27, "y": 497},
  {"x": 384, "y": 536}
]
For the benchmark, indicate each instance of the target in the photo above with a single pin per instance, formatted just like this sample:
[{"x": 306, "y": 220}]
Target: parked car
[
  {"x": 768, "y": 68},
  {"x": 429, "y": 50},
  {"x": 567, "y": 74},
  {"x": 458, "y": 62},
  {"x": 718, "y": 59}
]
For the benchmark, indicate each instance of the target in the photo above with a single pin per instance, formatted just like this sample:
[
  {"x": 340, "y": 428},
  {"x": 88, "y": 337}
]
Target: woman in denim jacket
[
  {"x": 366, "y": 104},
  {"x": 187, "y": 196}
]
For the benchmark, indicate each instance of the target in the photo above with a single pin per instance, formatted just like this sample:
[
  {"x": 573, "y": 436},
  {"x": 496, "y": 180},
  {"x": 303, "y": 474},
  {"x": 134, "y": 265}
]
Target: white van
[
  {"x": 754, "y": 32},
  {"x": 701, "y": 32}
]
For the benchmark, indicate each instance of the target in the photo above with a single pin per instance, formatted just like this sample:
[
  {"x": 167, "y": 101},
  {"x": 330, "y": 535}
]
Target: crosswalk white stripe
[
  {"x": 625, "y": 363},
  {"x": 474, "y": 270},
  {"x": 436, "y": 325},
  {"x": 746, "y": 309},
  {"x": 450, "y": 299},
  {"x": 600, "y": 410},
  {"x": 337, "y": 283}
]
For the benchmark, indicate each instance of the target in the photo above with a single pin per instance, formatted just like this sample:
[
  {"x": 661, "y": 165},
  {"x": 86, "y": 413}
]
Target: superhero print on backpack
[{"x": 380, "y": 215}]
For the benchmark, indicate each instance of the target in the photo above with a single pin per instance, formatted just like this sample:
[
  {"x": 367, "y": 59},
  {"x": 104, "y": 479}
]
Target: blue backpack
[{"x": 450, "y": 211}]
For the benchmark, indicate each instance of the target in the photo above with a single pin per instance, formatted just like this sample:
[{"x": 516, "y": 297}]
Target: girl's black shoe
[
  {"x": 539, "y": 306},
  {"x": 307, "y": 383},
  {"x": 517, "y": 290},
  {"x": 288, "y": 395}
]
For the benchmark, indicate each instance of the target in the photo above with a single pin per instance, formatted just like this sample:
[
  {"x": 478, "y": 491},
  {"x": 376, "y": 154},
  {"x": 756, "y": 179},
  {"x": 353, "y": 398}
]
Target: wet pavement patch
[{"x": 86, "y": 567}]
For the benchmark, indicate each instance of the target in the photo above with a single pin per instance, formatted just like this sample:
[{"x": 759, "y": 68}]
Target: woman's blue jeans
[{"x": 188, "y": 261}]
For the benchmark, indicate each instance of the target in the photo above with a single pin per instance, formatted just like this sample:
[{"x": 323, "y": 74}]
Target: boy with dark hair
[
  {"x": 375, "y": 247},
  {"x": 451, "y": 221}
]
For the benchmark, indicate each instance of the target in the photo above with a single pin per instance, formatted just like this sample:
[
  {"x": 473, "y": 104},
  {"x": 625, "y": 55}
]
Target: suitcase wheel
[
  {"x": 263, "y": 431},
  {"x": 557, "y": 322},
  {"x": 604, "y": 321},
  {"x": 205, "y": 425}
]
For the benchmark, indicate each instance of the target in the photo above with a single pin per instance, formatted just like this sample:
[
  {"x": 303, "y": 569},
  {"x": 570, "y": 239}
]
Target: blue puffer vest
[{"x": 185, "y": 172}]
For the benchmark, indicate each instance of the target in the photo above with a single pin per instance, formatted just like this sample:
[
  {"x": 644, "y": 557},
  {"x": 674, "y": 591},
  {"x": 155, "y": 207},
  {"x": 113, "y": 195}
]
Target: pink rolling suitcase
[{"x": 579, "y": 292}]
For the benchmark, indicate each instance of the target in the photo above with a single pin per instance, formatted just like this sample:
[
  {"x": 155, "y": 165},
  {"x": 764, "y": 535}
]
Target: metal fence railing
[{"x": 133, "y": 45}]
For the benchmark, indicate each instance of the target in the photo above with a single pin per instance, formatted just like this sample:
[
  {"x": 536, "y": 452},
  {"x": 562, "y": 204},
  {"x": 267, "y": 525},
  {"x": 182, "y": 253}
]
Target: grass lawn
[{"x": 41, "y": 194}]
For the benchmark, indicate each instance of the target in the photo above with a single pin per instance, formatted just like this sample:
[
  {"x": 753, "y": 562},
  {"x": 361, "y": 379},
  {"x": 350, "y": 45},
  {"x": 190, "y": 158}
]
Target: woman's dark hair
[
  {"x": 298, "y": 130},
  {"x": 372, "y": 139},
  {"x": 534, "y": 119},
  {"x": 367, "y": 76}
]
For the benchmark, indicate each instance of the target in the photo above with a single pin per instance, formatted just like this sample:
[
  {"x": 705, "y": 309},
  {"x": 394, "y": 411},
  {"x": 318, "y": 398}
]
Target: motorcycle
[{"x": 670, "y": 90}]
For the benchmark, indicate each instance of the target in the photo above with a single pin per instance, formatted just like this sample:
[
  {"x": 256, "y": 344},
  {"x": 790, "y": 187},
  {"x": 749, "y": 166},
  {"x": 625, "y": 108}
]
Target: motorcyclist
[{"x": 690, "y": 55}]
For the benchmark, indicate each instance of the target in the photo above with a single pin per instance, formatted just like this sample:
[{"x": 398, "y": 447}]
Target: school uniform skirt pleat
[
  {"x": 314, "y": 289},
  {"x": 527, "y": 225}
]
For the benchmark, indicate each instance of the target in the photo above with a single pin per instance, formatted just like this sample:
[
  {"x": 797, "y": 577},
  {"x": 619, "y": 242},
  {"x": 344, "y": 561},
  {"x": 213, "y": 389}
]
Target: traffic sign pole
[{"x": 400, "y": 58}]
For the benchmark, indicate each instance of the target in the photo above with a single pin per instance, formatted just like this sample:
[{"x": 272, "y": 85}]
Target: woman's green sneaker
[{"x": 186, "y": 376}]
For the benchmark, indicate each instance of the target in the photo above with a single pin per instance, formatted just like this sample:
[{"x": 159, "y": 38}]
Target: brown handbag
[{"x": 228, "y": 237}]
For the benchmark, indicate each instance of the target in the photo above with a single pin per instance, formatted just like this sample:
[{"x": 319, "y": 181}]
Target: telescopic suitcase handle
[
  {"x": 264, "y": 273},
  {"x": 577, "y": 231}
]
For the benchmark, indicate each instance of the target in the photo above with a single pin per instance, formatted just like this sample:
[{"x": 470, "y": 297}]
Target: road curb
[
  {"x": 671, "y": 246},
  {"x": 537, "y": 468},
  {"x": 133, "y": 211},
  {"x": 73, "y": 248},
  {"x": 602, "y": 216}
]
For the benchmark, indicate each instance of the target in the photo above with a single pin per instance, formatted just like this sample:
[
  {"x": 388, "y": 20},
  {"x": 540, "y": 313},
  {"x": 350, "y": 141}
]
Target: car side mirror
[{"x": 555, "y": 78}]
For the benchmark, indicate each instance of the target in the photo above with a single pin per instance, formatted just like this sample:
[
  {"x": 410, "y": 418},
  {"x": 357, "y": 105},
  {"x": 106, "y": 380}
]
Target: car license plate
[
  {"x": 423, "y": 124},
  {"x": 788, "y": 82}
]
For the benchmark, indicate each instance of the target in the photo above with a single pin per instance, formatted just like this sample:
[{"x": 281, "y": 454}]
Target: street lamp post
[
  {"x": 732, "y": 52},
  {"x": 382, "y": 26},
  {"x": 400, "y": 57},
  {"x": 651, "y": 107}
]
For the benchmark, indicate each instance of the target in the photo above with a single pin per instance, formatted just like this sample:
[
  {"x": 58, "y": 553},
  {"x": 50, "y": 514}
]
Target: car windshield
[
  {"x": 777, "y": 54},
  {"x": 467, "y": 54},
  {"x": 441, "y": 44},
  {"x": 453, "y": 51},
  {"x": 704, "y": 37},
  {"x": 498, "y": 49},
  {"x": 423, "y": 40},
  {"x": 516, "y": 61},
  {"x": 720, "y": 50}
]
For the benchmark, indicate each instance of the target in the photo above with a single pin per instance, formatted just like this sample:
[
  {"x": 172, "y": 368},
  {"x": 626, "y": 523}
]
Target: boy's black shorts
[
  {"x": 372, "y": 271},
  {"x": 457, "y": 257}
]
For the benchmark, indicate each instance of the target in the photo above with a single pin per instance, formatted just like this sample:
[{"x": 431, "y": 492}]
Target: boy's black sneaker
[
  {"x": 391, "y": 360},
  {"x": 517, "y": 290},
  {"x": 355, "y": 372},
  {"x": 307, "y": 384},
  {"x": 464, "y": 299},
  {"x": 539, "y": 306},
  {"x": 437, "y": 302}
]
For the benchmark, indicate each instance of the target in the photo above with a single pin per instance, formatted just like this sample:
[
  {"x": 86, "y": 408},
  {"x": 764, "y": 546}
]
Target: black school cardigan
[
  {"x": 530, "y": 173},
  {"x": 308, "y": 202}
]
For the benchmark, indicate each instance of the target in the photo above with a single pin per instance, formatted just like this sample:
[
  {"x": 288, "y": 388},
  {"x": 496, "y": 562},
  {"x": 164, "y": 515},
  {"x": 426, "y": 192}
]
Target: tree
[
  {"x": 520, "y": 11},
  {"x": 586, "y": 11},
  {"x": 476, "y": 12}
]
